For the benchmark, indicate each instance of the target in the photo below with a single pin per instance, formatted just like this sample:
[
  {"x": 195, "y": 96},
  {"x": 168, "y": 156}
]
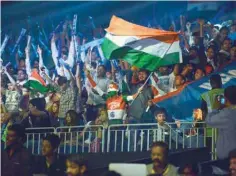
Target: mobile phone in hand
[{"x": 222, "y": 100}]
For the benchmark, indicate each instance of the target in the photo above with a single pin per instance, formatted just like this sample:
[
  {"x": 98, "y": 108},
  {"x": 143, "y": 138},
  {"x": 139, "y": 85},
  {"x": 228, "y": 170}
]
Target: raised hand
[
  {"x": 188, "y": 25},
  {"x": 4, "y": 70},
  {"x": 140, "y": 89},
  {"x": 54, "y": 37},
  {"x": 178, "y": 123},
  {"x": 27, "y": 50},
  {"x": 84, "y": 41},
  {"x": 86, "y": 71},
  {"x": 39, "y": 50},
  {"x": 201, "y": 22},
  {"x": 150, "y": 103}
]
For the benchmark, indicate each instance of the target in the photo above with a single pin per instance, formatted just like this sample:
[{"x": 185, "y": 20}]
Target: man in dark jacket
[
  {"x": 15, "y": 159},
  {"x": 50, "y": 163},
  {"x": 38, "y": 116}
]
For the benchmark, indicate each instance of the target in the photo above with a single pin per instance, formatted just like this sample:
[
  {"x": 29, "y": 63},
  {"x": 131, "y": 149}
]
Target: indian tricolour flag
[
  {"x": 141, "y": 46},
  {"x": 36, "y": 83}
]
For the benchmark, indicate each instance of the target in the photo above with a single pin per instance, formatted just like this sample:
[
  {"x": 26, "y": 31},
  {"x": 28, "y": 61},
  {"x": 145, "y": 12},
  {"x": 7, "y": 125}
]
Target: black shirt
[
  {"x": 18, "y": 164},
  {"x": 57, "y": 168}
]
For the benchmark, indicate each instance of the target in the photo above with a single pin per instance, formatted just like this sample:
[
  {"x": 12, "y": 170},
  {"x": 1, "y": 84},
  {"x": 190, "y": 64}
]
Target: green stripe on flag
[
  {"x": 138, "y": 58},
  {"x": 36, "y": 86}
]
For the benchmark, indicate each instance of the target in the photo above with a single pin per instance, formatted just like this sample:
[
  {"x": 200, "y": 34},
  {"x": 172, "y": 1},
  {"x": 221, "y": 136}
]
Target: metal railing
[
  {"x": 124, "y": 137},
  {"x": 34, "y": 138},
  {"x": 81, "y": 139},
  {"x": 139, "y": 137}
]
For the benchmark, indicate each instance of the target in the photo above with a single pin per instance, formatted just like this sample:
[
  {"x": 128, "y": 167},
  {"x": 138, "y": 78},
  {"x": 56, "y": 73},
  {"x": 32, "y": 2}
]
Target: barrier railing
[
  {"x": 81, "y": 139},
  {"x": 34, "y": 138},
  {"x": 124, "y": 137},
  {"x": 139, "y": 137}
]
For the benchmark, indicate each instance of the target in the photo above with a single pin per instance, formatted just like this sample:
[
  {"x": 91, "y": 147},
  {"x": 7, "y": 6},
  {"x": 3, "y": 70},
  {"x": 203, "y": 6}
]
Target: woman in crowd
[
  {"x": 211, "y": 54},
  {"x": 53, "y": 112},
  {"x": 190, "y": 134},
  {"x": 71, "y": 119}
]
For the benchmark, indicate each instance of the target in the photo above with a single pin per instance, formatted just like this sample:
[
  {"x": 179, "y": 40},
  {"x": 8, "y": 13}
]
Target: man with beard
[
  {"x": 95, "y": 101},
  {"x": 15, "y": 159},
  {"x": 138, "y": 109},
  {"x": 160, "y": 165},
  {"x": 232, "y": 160},
  {"x": 140, "y": 104},
  {"x": 76, "y": 166}
]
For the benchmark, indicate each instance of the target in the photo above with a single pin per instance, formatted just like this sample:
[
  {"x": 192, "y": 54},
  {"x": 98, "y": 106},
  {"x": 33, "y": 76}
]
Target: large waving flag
[
  {"x": 37, "y": 84},
  {"x": 180, "y": 103},
  {"x": 141, "y": 46}
]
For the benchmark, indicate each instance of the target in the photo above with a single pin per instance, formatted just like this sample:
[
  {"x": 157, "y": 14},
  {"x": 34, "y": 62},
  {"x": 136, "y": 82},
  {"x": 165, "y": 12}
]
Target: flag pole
[
  {"x": 147, "y": 81},
  {"x": 142, "y": 87}
]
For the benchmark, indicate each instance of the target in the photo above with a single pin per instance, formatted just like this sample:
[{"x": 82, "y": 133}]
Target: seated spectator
[
  {"x": 16, "y": 159},
  {"x": 160, "y": 165},
  {"x": 50, "y": 163},
  {"x": 76, "y": 166},
  {"x": 187, "y": 170}
]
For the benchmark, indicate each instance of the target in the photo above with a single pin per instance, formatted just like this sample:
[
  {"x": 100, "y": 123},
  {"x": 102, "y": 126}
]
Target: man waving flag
[{"x": 141, "y": 46}]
